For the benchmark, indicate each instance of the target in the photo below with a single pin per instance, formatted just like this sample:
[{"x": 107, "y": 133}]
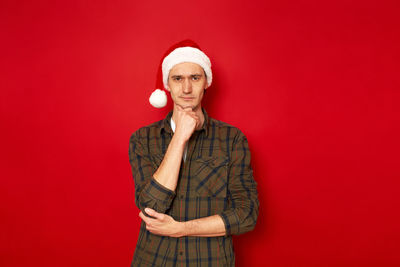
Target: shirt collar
[{"x": 165, "y": 123}]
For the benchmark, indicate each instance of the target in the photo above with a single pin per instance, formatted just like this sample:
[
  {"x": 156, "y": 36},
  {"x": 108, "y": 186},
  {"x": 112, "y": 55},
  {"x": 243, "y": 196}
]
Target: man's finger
[
  {"x": 144, "y": 217},
  {"x": 153, "y": 213}
]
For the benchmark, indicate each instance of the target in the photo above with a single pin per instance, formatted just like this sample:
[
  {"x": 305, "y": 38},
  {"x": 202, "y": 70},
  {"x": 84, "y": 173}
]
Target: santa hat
[{"x": 184, "y": 51}]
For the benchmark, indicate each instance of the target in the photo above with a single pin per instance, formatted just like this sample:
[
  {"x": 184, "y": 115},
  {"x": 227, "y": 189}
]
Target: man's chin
[
  {"x": 193, "y": 107},
  {"x": 185, "y": 105},
  {"x": 188, "y": 106}
]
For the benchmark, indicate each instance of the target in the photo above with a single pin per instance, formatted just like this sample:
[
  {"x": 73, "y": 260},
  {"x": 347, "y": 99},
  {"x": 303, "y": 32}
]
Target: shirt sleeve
[
  {"x": 148, "y": 192},
  {"x": 242, "y": 212}
]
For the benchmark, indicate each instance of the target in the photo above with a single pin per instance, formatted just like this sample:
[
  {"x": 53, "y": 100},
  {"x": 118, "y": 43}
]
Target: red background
[{"x": 313, "y": 84}]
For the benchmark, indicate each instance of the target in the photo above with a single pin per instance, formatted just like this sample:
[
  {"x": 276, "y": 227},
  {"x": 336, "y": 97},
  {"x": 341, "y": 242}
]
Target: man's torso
[{"x": 202, "y": 191}]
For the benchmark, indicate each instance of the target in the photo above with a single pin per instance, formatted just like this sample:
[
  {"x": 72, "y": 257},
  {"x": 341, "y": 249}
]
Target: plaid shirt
[{"x": 216, "y": 178}]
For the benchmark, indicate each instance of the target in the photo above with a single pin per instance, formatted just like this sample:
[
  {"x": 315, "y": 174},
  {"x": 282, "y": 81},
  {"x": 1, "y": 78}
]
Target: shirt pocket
[{"x": 210, "y": 176}]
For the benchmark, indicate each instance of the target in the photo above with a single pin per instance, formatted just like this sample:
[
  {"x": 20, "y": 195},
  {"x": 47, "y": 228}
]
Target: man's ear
[{"x": 167, "y": 88}]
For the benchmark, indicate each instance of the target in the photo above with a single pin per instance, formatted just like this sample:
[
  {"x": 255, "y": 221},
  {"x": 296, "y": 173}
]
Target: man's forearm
[
  {"x": 204, "y": 227},
  {"x": 168, "y": 172},
  {"x": 165, "y": 225}
]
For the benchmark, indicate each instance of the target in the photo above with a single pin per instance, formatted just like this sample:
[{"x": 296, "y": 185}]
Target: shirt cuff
[
  {"x": 160, "y": 193},
  {"x": 231, "y": 222}
]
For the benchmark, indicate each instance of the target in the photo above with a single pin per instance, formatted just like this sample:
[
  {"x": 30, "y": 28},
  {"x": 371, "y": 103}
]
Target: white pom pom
[{"x": 158, "y": 99}]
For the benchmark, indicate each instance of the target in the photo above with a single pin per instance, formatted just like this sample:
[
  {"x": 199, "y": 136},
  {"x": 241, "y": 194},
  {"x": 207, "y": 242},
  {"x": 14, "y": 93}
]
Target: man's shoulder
[
  {"x": 151, "y": 128},
  {"x": 224, "y": 127}
]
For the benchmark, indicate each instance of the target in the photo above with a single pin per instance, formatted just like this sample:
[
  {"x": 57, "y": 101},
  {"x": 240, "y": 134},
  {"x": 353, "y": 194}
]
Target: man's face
[{"x": 186, "y": 83}]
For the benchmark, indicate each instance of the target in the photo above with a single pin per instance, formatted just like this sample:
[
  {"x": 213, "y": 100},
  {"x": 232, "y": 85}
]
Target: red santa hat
[{"x": 184, "y": 51}]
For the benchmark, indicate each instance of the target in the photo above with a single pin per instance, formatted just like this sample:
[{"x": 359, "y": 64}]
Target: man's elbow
[
  {"x": 148, "y": 202},
  {"x": 248, "y": 224},
  {"x": 152, "y": 195},
  {"x": 248, "y": 220}
]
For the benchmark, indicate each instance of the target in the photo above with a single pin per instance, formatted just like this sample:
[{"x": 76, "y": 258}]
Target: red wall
[{"x": 313, "y": 84}]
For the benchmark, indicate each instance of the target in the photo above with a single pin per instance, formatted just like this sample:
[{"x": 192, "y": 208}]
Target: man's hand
[
  {"x": 187, "y": 121},
  {"x": 162, "y": 224}
]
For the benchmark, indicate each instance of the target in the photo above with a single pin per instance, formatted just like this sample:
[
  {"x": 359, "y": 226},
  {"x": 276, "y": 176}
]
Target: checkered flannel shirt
[{"x": 216, "y": 178}]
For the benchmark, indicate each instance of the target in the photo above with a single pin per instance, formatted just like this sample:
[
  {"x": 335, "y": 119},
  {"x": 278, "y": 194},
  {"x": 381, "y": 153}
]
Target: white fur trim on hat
[{"x": 186, "y": 54}]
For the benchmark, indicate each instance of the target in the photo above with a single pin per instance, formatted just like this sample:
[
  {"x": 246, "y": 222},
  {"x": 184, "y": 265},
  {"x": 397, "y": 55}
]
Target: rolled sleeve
[
  {"x": 155, "y": 196},
  {"x": 148, "y": 192},
  {"x": 243, "y": 204}
]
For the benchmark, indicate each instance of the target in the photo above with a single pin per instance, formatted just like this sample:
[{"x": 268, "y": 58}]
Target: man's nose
[{"x": 187, "y": 86}]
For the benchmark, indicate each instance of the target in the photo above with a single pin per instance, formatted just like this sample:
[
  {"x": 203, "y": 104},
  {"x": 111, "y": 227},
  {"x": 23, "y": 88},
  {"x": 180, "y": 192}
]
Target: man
[{"x": 193, "y": 179}]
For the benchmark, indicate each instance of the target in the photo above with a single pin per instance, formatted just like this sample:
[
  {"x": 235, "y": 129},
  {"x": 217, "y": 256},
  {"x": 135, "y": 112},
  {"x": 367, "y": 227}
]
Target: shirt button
[
  {"x": 181, "y": 253},
  {"x": 182, "y": 196}
]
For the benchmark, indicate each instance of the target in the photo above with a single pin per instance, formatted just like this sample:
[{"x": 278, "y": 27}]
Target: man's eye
[
  {"x": 177, "y": 78},
  {"x": 195, "y": 78}
]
